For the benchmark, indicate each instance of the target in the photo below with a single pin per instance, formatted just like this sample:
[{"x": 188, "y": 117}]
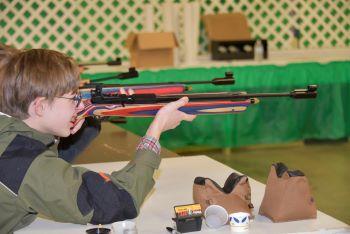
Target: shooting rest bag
[
  {"x": 287, "y": 196},
  {"x": 234, "y": 196}
]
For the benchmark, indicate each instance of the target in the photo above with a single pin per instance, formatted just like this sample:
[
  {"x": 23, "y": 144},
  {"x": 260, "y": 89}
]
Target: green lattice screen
[{"x": 96, "y": 29}]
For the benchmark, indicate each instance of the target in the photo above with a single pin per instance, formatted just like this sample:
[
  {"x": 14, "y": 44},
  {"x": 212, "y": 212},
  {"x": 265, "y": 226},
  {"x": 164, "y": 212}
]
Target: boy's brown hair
[
  {"x": 5, "y": 51},
  {"x": 26, "y": 75}
]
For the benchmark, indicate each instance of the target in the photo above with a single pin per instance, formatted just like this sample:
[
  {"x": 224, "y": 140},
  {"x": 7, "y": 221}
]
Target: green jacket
[{"x": 34, "y": 180}]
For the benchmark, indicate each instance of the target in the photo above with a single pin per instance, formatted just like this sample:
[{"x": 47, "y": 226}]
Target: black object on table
[{"x": 98, "y": 231}]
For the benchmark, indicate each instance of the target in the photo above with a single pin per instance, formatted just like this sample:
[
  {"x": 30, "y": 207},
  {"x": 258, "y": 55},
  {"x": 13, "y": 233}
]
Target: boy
[
  {"x": 39, "y": 100},
  {"x": 68, "y": 147}
]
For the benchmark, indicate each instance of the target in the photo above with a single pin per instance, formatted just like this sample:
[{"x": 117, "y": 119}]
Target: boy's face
[{"x": 60, "y": 115}]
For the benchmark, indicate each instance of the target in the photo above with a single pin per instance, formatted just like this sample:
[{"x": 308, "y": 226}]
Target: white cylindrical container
[{"x": 258, "y": 50}]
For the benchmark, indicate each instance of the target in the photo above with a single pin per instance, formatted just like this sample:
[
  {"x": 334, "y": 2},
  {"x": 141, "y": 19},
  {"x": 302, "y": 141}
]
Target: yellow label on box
[{"x": 188, "y": 210}]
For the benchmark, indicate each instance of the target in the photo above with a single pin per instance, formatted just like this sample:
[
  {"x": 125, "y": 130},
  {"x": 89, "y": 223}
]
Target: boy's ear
[{"x": 38, "y": 106}]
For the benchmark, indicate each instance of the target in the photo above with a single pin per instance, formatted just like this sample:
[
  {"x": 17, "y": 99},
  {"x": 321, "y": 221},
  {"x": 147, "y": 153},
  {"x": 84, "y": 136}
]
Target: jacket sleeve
[{"x": 64, "y": 193}]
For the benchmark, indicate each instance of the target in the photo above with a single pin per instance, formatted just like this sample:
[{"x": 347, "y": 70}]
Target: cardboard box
[
  {"x": 226, "y": 27},
  {"x": 151, "y": 49},
  {"x": 230, "y": 37}
]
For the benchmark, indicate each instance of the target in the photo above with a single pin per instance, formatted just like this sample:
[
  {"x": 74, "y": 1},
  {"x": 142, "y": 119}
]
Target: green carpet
[{"x": 326, "y": 166}]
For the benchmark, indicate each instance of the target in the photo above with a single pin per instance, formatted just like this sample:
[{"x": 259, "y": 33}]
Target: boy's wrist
[
  {"x": 149, "y": 143},
  {"x": 154, "y": 130}
]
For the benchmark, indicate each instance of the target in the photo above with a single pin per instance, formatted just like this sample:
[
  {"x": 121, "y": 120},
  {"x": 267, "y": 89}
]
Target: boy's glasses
[{"x": 77, "y": 99}]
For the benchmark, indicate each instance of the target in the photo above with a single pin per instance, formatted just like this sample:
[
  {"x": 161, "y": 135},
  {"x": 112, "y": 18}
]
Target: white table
[{"x": 174, "y": 182}]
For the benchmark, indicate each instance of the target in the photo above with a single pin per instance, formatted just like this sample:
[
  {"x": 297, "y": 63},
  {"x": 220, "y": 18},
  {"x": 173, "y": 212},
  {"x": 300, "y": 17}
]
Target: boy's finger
[
  {"x": 122, "y": 91},
  {"x": 179, "y": 103}
]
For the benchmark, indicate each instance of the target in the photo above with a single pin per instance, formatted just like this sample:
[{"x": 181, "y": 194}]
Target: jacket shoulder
[{"x": 15, "y": 159}]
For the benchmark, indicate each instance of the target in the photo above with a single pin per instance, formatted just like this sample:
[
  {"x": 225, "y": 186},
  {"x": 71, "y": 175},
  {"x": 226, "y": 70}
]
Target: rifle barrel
[{"x": 225, "y": 96}]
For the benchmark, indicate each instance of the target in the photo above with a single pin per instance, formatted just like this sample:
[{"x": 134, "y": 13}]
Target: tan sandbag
[
  {"x": 287, "y": 196},
  {"x": 235, "y": 196}
]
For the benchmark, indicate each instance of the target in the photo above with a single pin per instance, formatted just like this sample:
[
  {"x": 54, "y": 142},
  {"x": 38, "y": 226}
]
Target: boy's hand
[{"x": 169, "y": 117}]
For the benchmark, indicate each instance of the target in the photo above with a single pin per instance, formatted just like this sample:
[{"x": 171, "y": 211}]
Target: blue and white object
[{"x": 239, "y": 221}]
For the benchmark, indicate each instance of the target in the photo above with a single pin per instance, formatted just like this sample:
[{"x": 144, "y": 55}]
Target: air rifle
[
  {"x": 156, "y": 88},
  {"x": 83, "y": 66},
  {"x": 131, "y": 73},
  {"x": 116, "y": 62},
  {"x": 97, "y": 97},
  {"x": 145, "y": 105}
]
